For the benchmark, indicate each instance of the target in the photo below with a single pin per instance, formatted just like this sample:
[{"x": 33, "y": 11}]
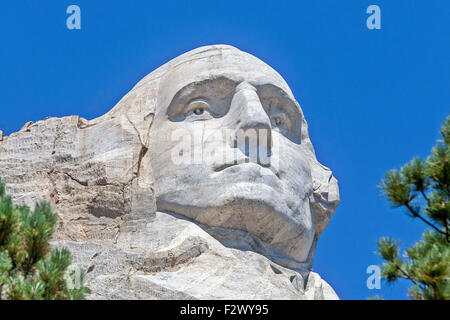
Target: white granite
[{"x": 149, "y": 197}]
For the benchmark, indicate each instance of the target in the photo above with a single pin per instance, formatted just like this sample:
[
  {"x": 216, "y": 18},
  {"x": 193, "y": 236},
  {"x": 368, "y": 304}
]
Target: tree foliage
[
  {"x": 422, "y": 187},
  {"x": 29, "y": 268}
]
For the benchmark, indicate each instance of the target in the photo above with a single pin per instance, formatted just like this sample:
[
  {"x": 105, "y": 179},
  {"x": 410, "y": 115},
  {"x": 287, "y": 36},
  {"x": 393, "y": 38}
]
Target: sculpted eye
[
  {"x": 199, "y": 111},
  {"x": 278, "y": 120},
  {"x": 198, "y": 108}
]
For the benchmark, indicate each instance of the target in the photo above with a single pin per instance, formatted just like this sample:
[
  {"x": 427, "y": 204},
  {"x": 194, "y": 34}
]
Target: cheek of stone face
[
  {"x": 292, "y": 165},
  {"x": 178, "y": 153}
]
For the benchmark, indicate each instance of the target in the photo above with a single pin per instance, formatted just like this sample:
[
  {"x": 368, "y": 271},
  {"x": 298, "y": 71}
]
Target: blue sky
[{"x": 373, "y": 98}]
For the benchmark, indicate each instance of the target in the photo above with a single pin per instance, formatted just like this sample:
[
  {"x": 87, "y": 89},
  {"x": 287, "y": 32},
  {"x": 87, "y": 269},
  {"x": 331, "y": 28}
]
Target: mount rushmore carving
[{"x": 200, "y": 183}]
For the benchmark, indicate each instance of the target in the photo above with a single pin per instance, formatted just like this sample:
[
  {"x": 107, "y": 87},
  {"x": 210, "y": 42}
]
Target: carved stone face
[{"x": 229, "y": 148}]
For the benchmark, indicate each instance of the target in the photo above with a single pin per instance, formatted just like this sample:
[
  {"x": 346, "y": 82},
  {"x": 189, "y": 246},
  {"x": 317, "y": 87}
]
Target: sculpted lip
[{"x": 245, "y": 161}]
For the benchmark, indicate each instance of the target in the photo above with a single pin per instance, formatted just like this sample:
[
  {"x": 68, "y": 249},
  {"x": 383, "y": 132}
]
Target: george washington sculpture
[{"x": 201, "y": 182}]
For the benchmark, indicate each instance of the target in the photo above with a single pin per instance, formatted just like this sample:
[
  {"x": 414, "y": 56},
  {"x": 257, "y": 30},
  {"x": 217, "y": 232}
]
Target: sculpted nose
[
  {"x": 253, "y": 117},
  {"x": 253, "y": 132}
]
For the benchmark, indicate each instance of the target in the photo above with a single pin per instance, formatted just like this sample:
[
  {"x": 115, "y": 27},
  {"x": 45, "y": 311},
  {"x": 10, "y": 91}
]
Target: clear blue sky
[{"x": 373, "y": 98}]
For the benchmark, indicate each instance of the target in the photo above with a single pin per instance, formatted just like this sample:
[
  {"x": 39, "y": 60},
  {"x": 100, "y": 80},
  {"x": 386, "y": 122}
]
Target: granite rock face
[
  {"x": 150, "y": 219},
  {"x": 182, "y": 261}
]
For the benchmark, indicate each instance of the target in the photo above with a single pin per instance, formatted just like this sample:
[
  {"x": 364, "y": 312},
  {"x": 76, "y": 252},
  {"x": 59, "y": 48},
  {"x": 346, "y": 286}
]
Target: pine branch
[
  {"x": 427, "y": 265},
  {"x": 425, "y": 197},
  {"x": 418, "y": 215},
  {"x": 29, "y": 269},
  {"x": 408, "y": 277}
]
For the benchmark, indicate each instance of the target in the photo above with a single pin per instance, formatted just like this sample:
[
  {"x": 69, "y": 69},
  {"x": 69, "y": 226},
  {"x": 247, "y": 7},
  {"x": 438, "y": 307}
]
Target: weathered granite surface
[{"x": 146, "y": 227}]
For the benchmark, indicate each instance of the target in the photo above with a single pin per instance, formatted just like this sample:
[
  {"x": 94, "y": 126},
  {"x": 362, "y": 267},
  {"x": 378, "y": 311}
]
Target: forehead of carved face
[{"x": 226, "y": 149}]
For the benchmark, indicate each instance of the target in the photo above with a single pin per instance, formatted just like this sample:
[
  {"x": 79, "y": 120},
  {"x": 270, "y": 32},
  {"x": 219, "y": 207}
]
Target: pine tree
[
  {"x": 29, "y": 268},
  {"x": 422, "y": 187}
]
